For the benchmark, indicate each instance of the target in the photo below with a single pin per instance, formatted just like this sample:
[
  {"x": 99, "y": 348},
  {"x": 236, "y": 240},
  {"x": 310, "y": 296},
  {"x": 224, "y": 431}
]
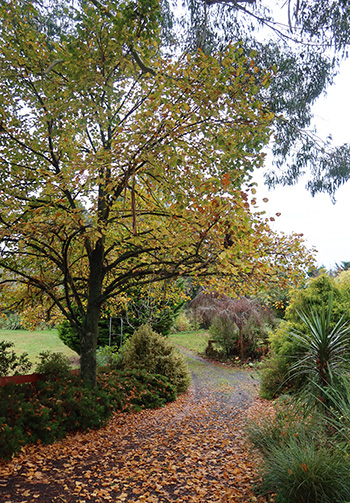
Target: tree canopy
[{"x": 120, "y": 167}]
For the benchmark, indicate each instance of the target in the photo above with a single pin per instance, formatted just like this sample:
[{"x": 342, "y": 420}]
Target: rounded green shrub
[
  {"x": 152, "y": 352},
  {"x": 54, "y": 366}
]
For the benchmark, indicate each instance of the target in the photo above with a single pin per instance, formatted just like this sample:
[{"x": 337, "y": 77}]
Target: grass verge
[
  {"x": 33, "y": 342},
  {"x": 196, "y": 340}
]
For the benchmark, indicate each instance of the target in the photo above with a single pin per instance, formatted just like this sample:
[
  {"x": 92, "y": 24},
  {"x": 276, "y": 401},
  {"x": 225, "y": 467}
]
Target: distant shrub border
[{"x": 46, "y": 410}]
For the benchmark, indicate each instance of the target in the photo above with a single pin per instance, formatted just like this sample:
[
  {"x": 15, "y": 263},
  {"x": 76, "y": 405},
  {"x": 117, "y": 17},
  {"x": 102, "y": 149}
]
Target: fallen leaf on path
[{"x": 189, "y": 451}]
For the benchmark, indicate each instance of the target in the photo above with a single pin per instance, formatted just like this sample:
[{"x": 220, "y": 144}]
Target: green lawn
[
  {"x": 197, "y": 340},
  {"x": 33, "y": 342}
]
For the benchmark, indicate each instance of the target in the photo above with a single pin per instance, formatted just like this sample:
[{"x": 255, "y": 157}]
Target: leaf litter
[{"x": 192, "y": 450}]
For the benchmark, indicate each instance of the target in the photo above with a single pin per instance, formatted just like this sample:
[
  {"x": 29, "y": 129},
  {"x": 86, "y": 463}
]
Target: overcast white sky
[{"x": 324, "y": 225}]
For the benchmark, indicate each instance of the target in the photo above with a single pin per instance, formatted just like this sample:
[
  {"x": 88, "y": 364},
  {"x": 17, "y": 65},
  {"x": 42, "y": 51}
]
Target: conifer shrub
[
  {"x": 49, "y": 409},
  {"x": 69, "y": 334},
  {"x": 149, "y": 351},
  {"x": 273, "y": 375},
  {"x": 136, "y": 389}
]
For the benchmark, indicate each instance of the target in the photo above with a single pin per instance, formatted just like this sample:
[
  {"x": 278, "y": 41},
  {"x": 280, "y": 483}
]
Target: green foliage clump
[
  {"x": 10, "y": 362},
  {"x": 152, "y": 352},
  {"x": 182, "y": 323},
  {"x": 288, "y": 349},
  {"x": 69, "y": 334},
  {"x": 273, "y": 376},
  {"x": 48, "y": 410},
  {"x": 53, "y": 366},
  {"x": 316, "y": 296},
  {"x": 10, "y": 321},
  {"x": 108, "y": 356}
]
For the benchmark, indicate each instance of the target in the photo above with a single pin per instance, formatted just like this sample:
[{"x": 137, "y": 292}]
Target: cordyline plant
[
  {"x": 324, "y": 349},
  {"x": 119, "y": 168}
]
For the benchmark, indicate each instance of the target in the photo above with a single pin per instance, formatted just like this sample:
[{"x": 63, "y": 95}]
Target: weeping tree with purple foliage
[{"x": 238, "y": 325}]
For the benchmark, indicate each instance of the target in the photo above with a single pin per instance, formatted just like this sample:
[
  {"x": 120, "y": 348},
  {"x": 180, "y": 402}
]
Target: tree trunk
[
  {"x": 241, "y": 343},
  {"x": 88, "y": 344},
  {"x": 89, "y": 329}
]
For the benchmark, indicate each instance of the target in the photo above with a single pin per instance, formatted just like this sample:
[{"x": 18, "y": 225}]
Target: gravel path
[{"x": 231, "y": 387}]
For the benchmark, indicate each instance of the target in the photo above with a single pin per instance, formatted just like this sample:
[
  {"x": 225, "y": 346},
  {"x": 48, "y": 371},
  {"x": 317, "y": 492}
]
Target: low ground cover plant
[{"x": 61, "y": 403}]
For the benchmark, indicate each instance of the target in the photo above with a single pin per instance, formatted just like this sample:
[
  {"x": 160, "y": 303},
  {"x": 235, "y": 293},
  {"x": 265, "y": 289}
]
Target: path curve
[{"x": 232, "y": 387}]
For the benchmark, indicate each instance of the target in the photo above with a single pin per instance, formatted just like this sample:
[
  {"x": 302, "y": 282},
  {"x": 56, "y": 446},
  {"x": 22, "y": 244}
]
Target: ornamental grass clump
[
  {"x": 302, "y": 460},
  {"x": 287, "y": 420},
  {"x": 307, "y": 472},
  {"x": 152, "y": 352}
]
